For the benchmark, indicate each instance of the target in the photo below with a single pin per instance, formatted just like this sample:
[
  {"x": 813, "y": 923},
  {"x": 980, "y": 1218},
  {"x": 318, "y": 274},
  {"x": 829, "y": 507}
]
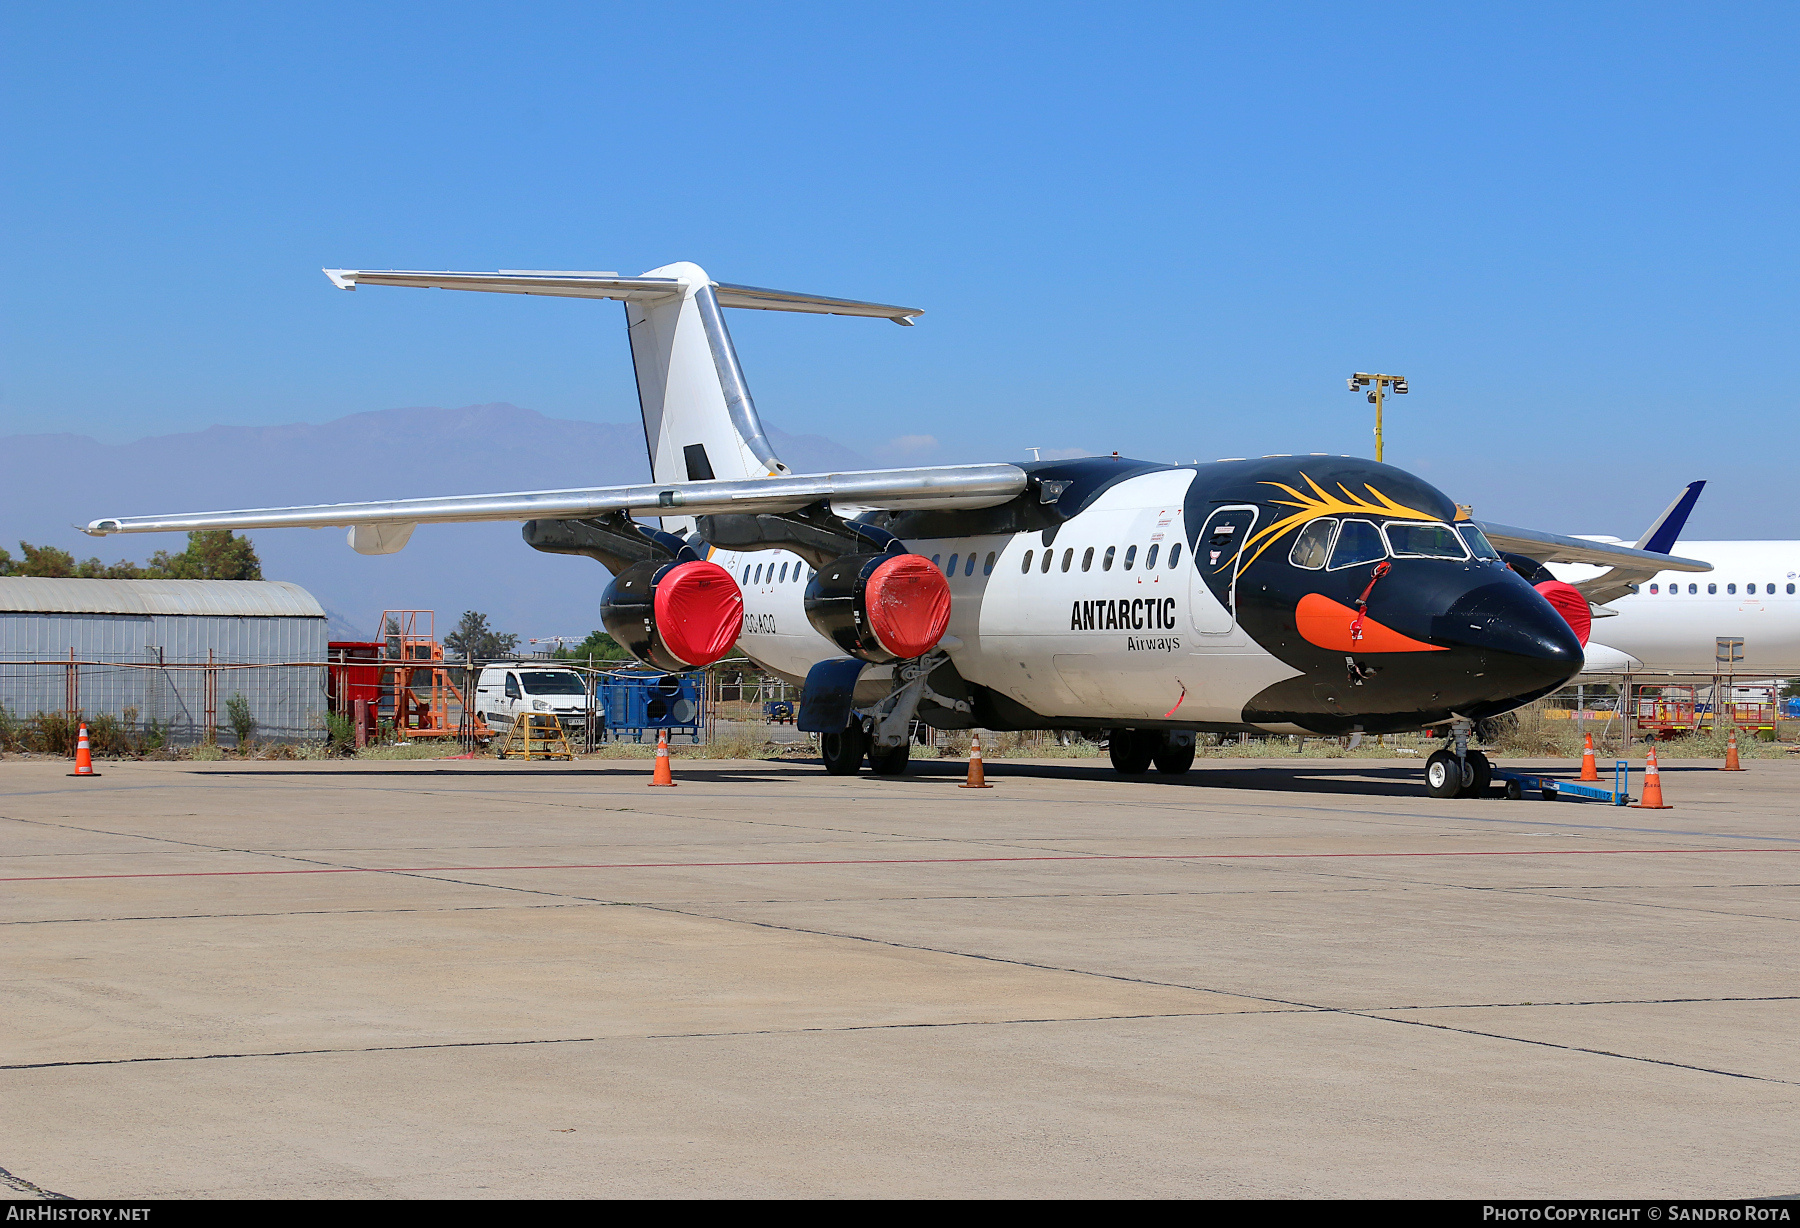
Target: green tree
[
  {"x": 473, "y": 637},
  {"x": 211, "y": 554},
  {"x": 243, "y": 724},
  {"x": 599, "y": 645}
]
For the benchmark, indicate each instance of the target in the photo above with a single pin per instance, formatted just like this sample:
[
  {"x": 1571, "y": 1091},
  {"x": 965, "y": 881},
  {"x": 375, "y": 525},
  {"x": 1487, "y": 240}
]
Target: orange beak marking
[{"x": 1326, "y": 623}]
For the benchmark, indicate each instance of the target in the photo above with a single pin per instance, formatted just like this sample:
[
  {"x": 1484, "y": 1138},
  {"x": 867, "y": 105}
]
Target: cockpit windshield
[
  {"x": 1430, "y": 540},
  {"x": 1478, "y": 542},
  {"x": 1359, "y": 541},
  {"x": 552, "y": 682}
]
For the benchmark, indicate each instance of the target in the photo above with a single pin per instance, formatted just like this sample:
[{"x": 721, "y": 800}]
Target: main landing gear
[
  {"x": 1460, "y": 772},
  {"x": 1134, "y": 750}
]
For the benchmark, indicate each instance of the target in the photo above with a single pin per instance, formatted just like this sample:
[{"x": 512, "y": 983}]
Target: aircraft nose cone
[{"x": 1515, "y": 640}]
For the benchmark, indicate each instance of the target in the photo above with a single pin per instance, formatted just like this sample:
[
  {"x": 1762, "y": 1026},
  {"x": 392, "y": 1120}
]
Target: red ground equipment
[{"x": 402, "y": 679}]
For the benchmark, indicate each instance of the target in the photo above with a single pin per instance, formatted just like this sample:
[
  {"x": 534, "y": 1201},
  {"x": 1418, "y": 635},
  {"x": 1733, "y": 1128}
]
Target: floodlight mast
[{"x": 1381, "y": 383}]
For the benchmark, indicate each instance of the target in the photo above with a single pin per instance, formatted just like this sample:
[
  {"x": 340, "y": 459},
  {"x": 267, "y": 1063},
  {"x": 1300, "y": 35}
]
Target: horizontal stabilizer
[
  {"x": 612, "y": 286},
  {"x": 945, "y": 487}
]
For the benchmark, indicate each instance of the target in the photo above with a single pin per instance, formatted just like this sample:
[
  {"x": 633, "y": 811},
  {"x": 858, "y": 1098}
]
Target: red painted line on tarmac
[{"x": 885, "y": 861}]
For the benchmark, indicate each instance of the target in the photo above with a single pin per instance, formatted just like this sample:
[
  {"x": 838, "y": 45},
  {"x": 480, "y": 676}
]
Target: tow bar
[{"x": 1551, "y": 789}]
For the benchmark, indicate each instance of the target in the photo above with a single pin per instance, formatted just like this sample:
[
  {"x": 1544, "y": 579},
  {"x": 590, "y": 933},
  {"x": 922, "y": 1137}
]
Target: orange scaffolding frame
[{"x": 421, "y": 708}]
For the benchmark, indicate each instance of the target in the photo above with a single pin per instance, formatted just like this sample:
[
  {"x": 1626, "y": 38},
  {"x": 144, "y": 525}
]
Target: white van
[{"x": 504, "y": 691}]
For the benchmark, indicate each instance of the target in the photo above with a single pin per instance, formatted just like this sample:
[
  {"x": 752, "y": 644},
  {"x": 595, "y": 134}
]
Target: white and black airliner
[{"x": 1286, "y": 594}]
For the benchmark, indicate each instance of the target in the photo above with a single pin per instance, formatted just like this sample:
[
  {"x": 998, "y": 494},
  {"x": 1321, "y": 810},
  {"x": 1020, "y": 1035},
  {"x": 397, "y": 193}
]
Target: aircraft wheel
[
  {"x": 843, "y": 752},
  {"x": 1174, "y": 760},
  {"x": 1478, "y": 774},
  {"x": 1443, "y": 775},
  {"x": 889, "y": 760},
  {"x": 1130, "y": 750}
]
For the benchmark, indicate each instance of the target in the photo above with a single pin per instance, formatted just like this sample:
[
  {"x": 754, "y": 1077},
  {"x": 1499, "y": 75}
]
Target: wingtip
[{"x": 343, "y": 279}]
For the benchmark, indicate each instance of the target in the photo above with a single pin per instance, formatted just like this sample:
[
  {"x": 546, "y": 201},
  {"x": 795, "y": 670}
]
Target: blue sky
[{"x": 1166, "y": 230}]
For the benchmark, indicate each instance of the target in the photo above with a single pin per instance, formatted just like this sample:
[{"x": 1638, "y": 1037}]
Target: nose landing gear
[{"x": 1461, "y": 772}]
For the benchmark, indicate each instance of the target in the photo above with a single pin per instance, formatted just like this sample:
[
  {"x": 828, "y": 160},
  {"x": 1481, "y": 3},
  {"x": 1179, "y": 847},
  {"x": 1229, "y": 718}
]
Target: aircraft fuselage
[{"x": 1220, "y": 596}]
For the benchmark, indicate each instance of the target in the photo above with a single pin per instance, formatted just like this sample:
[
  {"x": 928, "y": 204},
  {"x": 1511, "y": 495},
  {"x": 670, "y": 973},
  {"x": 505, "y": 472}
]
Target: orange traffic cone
[
  {"x": 1731, "y": 758},
  {"x": 663, "y": 775},
  {"x": 977, "y": 780},
  {"x": 1652, "y": 799},
  {"x": 1588, "y": 770},
  {"x": 84, "y": 757}
]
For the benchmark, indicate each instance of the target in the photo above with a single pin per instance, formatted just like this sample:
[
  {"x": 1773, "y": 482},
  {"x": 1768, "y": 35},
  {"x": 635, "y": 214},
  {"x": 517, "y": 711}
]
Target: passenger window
[
  {"x": 987, "y": 568},
  {"x": 954, "y": 560},
  {"x": 1731, "y": 588},
  {"x": 784, "y": 573},
  {"x": 1358, "y": 541},
  {"x": 1695, "y": 588},
  {"x": 1711, "y": 589},
  {"x": 758, "y": 579},
  {"x": 1654, "y": 589},
  {"x": 1130, "y": 556},
  {"x": 1087, "y": 561},
  {"x": 1049, "y": 558},
  {"x": 1106, "y": 560},
  {"x": 1313, "y": 544},
  {"x": 937, "y": 560},
  {"x": 512, "y": 687},
  {"x": 746, "y": 578},
  {"x": 969, "y": 566},
  {"x": 1150, "y": 557},
  {"x": 1025, "y": 567},
  {"x": 1174, "y": 555},
  {"x": 1068, "y": 558},
  {"x": 1429, "y": 541}
]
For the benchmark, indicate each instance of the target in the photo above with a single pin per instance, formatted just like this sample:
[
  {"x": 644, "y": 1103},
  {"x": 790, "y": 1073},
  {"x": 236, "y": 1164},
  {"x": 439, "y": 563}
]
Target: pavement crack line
[
  {"x": 1363, "y": 1013},
  {"x": 16, "y": 1182},
  {"x": 597, "y": 1040},
  {"x": 1550, "y": 1044}
]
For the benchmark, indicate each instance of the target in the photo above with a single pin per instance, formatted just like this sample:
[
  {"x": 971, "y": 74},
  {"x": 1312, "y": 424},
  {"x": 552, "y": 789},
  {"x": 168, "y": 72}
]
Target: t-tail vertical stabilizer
[{"x": 699, "y": 420}]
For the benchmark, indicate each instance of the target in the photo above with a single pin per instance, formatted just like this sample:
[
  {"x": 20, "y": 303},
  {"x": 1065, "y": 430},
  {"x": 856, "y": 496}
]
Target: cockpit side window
[
  {"x": 1478, "y": 542},
  {"x": 1411, "y": 539},
  {"x": 1359, "y": 541},
  {"x": 1313, "y": 544}
]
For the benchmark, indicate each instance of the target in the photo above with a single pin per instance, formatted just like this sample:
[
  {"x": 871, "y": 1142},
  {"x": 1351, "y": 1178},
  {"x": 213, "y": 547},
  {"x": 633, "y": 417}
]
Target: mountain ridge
[{"x": 58, "y": 480}]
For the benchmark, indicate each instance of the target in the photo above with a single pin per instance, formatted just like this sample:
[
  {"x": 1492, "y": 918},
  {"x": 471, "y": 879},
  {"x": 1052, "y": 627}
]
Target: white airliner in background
[{"x": 1743, "y": 619}]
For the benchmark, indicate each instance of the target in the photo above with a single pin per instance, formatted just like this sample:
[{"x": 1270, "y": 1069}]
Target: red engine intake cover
[
  {"x": 909, "y": 605},
  {"x": 699, "y": 612},
  {"x": 1571, "y": 605}
]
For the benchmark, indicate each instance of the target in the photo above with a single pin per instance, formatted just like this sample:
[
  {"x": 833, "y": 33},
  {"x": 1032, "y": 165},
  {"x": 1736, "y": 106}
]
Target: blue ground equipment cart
[
  {"x": 1551, "y": 789},
  {"x": 641, "y": 705}
]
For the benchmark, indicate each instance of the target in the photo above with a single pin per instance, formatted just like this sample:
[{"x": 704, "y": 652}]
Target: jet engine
[
  {"x": 880, "y": 607},
  {"x": 674, "y": 616},
  {"x": 1571, "y": 605}
]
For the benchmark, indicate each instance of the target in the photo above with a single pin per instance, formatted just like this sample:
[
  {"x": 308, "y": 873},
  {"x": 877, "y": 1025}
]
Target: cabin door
[{"x": 1217, "y": 555}]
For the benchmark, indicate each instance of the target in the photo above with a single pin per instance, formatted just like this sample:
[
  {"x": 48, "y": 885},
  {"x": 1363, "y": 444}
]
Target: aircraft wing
[
  {"x": 1626, "y": 566},
  {"x": 383, "y": 528}
]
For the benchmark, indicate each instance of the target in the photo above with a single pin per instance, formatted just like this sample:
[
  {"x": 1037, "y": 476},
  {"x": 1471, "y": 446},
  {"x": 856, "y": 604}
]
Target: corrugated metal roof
[{"x": 240, "y": 598}]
